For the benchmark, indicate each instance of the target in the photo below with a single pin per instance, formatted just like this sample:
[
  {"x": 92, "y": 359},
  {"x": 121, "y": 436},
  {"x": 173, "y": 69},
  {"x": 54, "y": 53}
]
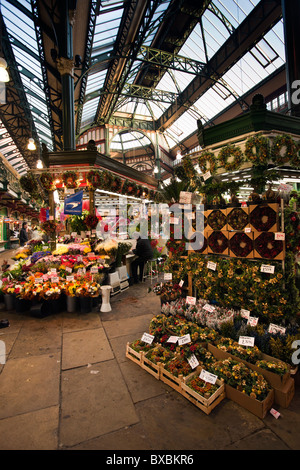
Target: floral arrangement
[
  {"x": 178, "y": 366},
  {"x": 241, "y": 244},
  {"x": 231, "y": 151},
  {"x": 47, "y": 181},
  {"x": 140, "y": 345},
  {"x": 263, "y": 218},
  {"x": 129, "y": 188},
  {"x": 28, "y": 183},
  {"x": 50, "y": 226},
  {"x": 240, "y": 377},
  {"x": 237, "y": 219},
  {"x": 91, "y": 221},
  {"x": 248, "y": 354},
  {"x": 217, "y": 220},
  {"x": 116, "y": 184},
  {"x": 291, "y": 150},
  {"x": 159, "y": 354},
  {"x": 94, "y": 179},
  {"x": 211, "y": 159},
  {"x": 266, "y": 245},
  {"x": 70, "y": 179},
  {"x": 177, "y": 267},
  {"x": 204, "y": 389},
  {"x": 262, "y": 148},
  {"x": 279, "y": 368},
  {"x": 106, "y": 178},
  {"x": 177, "y": 247}
]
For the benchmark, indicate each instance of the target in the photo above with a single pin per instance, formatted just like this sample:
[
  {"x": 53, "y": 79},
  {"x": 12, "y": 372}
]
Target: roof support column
[{"x": 291, "y": 15}]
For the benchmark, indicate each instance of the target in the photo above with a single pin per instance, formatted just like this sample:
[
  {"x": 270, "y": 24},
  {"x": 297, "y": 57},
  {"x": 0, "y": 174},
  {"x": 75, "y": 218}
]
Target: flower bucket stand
[{"x": 105, "y": 306}]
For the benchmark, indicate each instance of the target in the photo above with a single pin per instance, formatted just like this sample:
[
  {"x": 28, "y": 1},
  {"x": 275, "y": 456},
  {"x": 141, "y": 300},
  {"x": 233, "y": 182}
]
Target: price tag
[
  {"x": 191, "y": 300},
  {"x": 147, "y": 338},
  {"x": 252, "y": 321},
  {"x": 181, "y": 283},
  {"x": 28, "y": 263},
  {"x": 209, "y": 308},
  {"x": 244, "y": 204},
  {"x": 245, "y": 313},
  {"x": 82, "y": 234},
  {"x": 69, "y": 270},
  {"x": 274, "y": 413},
  {"x": 70, "y": 278},
  {"x": 91, "y": 254},
  {"x": 276, "y": 329},
  {"x": 206, "y": 175},
  {"x": 208, "y": 377},
  {"x": 38, "y": 280},
  {"x": 279, "y": 236},
  {"x": 248, "y": 230},
  {"x": 94, "y": 231},
  {"x": 246, "y": 341},
  {"x": 193, "y": 361},
  {"x": 51, "y": 217},
  {"x": 173, "y": 339},
  {"x": 185, "y": 197},
  {"x": 88, "y": 232},
  {"x": 184, "y": 339},
  {"x": 74, "y": 234},
  {"x": 94, "y": 270},
  {"x": 53, "y": 270},
  {"x": 55, "y": 279},
  {"x": 79, "y": 258},
  {"x": 266, "y": 268},
  {"x": 174, "y": 220},
  {"x": 167, "y": 276},
  {"x": 211, "y": 265}
]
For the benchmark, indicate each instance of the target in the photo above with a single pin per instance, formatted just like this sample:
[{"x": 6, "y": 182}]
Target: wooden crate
[
  {"x": 170, "y": 379},
  {"x": 133, "y": 355},
  {"x": 151, "y": 367},
  {"x": 204, "y": 404}
]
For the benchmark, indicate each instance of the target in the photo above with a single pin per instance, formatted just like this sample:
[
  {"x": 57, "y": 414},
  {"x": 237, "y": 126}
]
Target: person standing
[
  {"x": 23, "y": 237},
  {"x": 144, "y": 252}
]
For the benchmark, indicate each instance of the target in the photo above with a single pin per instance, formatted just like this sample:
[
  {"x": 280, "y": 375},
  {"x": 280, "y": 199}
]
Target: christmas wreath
[
  {"x": 129, "y": 188},
  {"x": 216, "y": 220},
  {"x": 94, "y": 179},
  {"x": 241, "y": 245},
  {"x": 290, "y": 153},
  {"x": 231, "y": 151},
  {"x": 266, "y": 245},
  {"x": 263, "y": 218},
  {"x": 237, "y": 219},
  {"x": 47, "y": 181},
  {"x": 211, "y": 159},
  {"x": 177, "y": 267},
  {"x": 217, "y": 242},
  {"x": 107, "y": 179},
  {"x": 176, "y": 246},
  {"x": 262, "y": 150},
  {"x": 70, "y": 179},
  {"x": 116, "y": 184},
  {"x": 28, "y": 183}
]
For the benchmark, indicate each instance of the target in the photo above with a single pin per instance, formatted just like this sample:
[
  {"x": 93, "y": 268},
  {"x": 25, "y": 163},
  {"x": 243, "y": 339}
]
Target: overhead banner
[{"x": 73, "y": 204}]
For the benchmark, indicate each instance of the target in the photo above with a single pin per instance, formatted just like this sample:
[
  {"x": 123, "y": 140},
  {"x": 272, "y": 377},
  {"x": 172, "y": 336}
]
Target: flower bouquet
[
  {"x": 280, "y": 368},
  {"x": 91, "y": 221}
]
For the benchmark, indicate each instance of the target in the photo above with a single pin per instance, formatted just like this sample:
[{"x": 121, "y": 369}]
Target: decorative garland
[
  {"x": 267, "y": 246},
  {"x": 47, "y": 181},
  {"x": 263, "y": 218},
  {"x": 70, "y": 179},
  {"x": 107, "y": 179},
  {"x": 211, "y": 159},
  {"x": 262, "y": 147},
  {"x": 291, "y": 150},
  {"x": 116, "y": 185},
  {"x": 129, "y": 188},
  {"x": 241, "y": 245},
  {"x": 94, "y": 179},
  {"x": 231, "y": 151}
]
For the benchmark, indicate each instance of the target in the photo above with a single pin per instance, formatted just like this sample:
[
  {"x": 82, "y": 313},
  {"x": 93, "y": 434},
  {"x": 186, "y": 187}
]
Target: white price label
[
  {"x": 252, "y": 321},
  {"x": 185, "y": 197},
  {"x": 276, "y": 329},
  {"x": 55, "y": 279},
  {"x": 91, "y": 254},
  {"x": 206, "y": 175},
  {"x": 184, "y": 339},
  {"x": 53, "y": 270},
  {"x": 209, "y": 308},
  {"x": 38, "y": 280},
  {"x": 274, "y": 413},
  {"x": 69, "y": 270},
  {"x": 191, "y": 300},
  {"x": 208, "y": 377},
  {"x": 279, "y": 236},
  {"x": 173, "y": 339},
  {"x": 174, "y": 220},
  {"x": 245, "y": 313},
  {"x": 193, "y": 361},
  {"x": 167, "y": 276},
  {"x": 246, "y": 341},
  {"x": 248, "y": 230},
  {"x": 94, "y": 270},
  {"x": 70, "y": 278},
  {"x": 147, "y": 338},
  {"x": 181, "y": 283},
  {"x": 74, "y": 234},
  {"x": 88, "y": 232},
  {"x": 211, "y": 265},
  {"x": 266, "y": 268}
]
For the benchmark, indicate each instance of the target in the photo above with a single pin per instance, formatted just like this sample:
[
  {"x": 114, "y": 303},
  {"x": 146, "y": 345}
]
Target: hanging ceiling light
[
  {"x": 156, "y": 170},
  {"x": 39, "y": 164},
  {"x": 4, "y": 77},
  {"x": 31, "y": 144}
]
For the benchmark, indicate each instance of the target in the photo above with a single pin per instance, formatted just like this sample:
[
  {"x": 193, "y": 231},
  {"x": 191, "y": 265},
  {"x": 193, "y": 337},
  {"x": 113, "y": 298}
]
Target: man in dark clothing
[
  {"x": 23, "y": 234},
  {"x": 144, "y": 252}
]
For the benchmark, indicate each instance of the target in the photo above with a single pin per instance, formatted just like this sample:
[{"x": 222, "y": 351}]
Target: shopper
[
  {"x": 23, "y": 237},
  {"x": 144, "y": 252}
]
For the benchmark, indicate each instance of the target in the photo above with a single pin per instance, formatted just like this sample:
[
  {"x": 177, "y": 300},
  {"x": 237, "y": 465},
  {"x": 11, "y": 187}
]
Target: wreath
[
  {"x": 267, "y": 246},
  {"x": 47, "y": 181},
  {"x": 70, "y": 179},
  {"x": 218, "y": 242},
  {"x": 176, "y": 246},
  {"x": 237, "y": 219},
  {"x": 231, "y": 151},
  {"x": 107, "y": 179},
  {"x": 290, "y": 153},
  {"x": 207, "y": 157},
  {"x": 263, "y": 218},
  {"x": 262, "y": 147},
  {"x": 129, "y": 188},
  {"x": 216, "y": 220},
  {"x": 241, "y": 245},
  {"x": 94, "y": 179},
  {"x": 28, "y": 184},
  {"x": 116, "y": 184},
  {"x": 177, "y": 267}
]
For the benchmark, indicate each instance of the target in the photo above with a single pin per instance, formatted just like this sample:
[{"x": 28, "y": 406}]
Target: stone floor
[{"x": 67, "y": 384}]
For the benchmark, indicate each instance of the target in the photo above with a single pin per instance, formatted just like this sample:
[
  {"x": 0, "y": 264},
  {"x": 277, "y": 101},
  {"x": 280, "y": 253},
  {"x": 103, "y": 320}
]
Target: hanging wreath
[
  {"x": 94, "y": 179},
  {"x": 231, "y": 151},
  {"x": 91, "y": 221},
  {"x": 211, "y": 159},
  {"x": 28, "y": 184},
  {"x": 47, "y": 181},
  {"x": 290, "y": 153},
  {"x": 70, "y": 179},
  {"x": 129, "y": 188},
  {"x": 262, "y": 150},
  {"x": 107, "y": 179},
  {"x": 116, "y": 185},
  {"x": 267, "y": 246},
  {"x": 50, "y": 226},
  {"x": 241, "y": 245}
]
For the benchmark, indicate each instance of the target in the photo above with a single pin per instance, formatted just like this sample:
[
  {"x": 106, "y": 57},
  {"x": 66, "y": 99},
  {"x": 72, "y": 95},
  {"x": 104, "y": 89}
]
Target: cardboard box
[
  {"x": 223, "y": 216},
  {"x": 284, "y": 396},
  {"x": 258, "y": 408}
]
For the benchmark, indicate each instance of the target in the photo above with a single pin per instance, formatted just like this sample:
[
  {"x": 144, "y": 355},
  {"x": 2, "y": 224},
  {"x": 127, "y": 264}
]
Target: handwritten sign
[
  {"x": 276, "y": 329},
  {"x": 70, "y": 278},
  {"x": 252, "y": 321},
  {"x": 193, "y": 361},
  {"x": 266, "y": 268},
  {"x": 245, "y": 313},
  {"x": 208, "y": 377},
  {"x": 211, "y": 265},
  {"x": 184, "y": 339},
  {"x": 147, "y": 338},
  {"x": 181, "y": 283},
  {"x": 209, "y": 308},
  {"x": 246, "y": 341},
  {"x": 279, "y": 236},
  {"x": 167, "y": 276},
  {"x": 206, "y": 175},
  {"x": 248, "y": 230},
  {"x": 173, "y": 339},
  {"x": 191, "y": 300}
]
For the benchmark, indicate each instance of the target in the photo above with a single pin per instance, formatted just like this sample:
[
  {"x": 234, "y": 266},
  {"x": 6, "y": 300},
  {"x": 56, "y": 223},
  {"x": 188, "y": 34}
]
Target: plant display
[
  {"x": 217, "y": 220},
  {"x": 217, "y": 242},
  {"x": 91, "y": 221},
  {"x": 140, "y": 345},
  {"x": 50, "y": 227},
  {"x": 231, "y": 151},
  {"x": 178, "y": 366},
  {"x": 205, "y": 389},
  {"x": 159, "y": 354},
  {"x": 252, "y": 354},
  {"x": 258, "y": 150},
  {"x": 279, "y": 368},
  {"x": 290, "y": 153}
]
